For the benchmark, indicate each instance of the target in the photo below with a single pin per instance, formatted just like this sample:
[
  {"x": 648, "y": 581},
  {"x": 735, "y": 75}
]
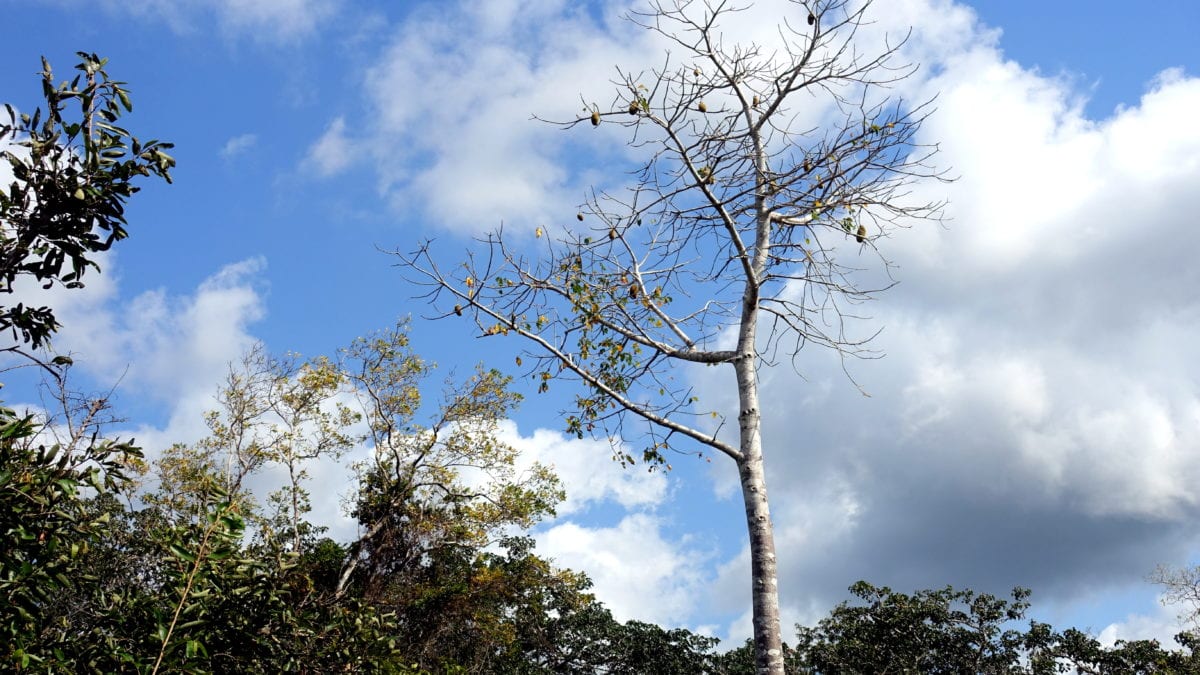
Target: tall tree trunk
[{"x": 768, "y": 637}]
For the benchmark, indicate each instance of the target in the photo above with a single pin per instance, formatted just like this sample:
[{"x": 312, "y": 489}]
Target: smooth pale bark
[{"x": 768, "y": 635}]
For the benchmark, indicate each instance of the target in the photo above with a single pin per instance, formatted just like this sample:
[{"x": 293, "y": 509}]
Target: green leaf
[{"x": 181, "y": 553}]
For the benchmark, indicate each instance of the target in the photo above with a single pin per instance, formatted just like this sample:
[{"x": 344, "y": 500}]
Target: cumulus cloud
[
  {"x": 638, "y": 572},
  {"x": 177, "y": 350},
  {"x": 1162, "y": 625},
  {"x": 450, "y": 118},
  {"x": 167, "y": 346},
  {"x": 1036, "y": 420},
  {"x": 587, "y": 471},
  {"x": 171, "y": 350}
]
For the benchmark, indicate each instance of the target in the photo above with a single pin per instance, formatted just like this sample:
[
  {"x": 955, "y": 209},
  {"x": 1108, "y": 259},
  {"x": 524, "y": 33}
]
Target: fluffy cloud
[
  {"x": 451, "y": 125},
  {"x": 1036, "y": 420},
  {"x": 638, "y": 572},
  {"x": 450, "y": 118},
  {"x": 587, "y": 471},
  {"x": 1162, "y": 627},
  {"x": 167, "y": 347}
]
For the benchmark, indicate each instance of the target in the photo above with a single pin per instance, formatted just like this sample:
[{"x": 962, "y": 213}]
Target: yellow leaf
[{"x": 538, "y": 233}]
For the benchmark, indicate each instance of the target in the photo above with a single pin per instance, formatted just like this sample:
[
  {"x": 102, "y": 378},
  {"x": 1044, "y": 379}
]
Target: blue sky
[{"x": 1036, "y": 421}]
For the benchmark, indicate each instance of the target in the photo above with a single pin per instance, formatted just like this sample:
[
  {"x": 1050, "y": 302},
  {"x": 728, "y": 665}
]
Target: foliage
[
  {"x": 435, "y": 584},
  {"x": 432, "y": 496},
  {"x": 273, "y": 412},
  {"x": 71, "y": 178},
  {"x": 943, "y": 631},
  {"x": 46, "y": 529},
  {"x": 960, "y": 631},
  {"x": 196, "y": 578},
  {"x": 99, "y": 575}
]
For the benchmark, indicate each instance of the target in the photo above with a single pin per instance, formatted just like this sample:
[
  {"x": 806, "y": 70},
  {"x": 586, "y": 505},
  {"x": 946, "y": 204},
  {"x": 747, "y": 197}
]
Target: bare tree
[
  {"x": 739, "y": 241},
  {"x": 1181, "y": 586}
]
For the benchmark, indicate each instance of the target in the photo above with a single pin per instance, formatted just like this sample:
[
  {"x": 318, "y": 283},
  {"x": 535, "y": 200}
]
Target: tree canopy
[{"x": 74, "y": 168}]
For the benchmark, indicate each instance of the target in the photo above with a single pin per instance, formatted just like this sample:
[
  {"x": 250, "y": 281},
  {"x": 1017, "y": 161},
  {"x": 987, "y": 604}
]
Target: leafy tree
[
  {"x": 46, "y": 529},
  {"x": 740, "y": 239},
  {"x": 943, "y": 631},
  {"x": 587, "y": 639},
  {"x": 72, "y": 175},
  {"x": 433, "y": 496},
  {"x": 960, "y": 631},
  {"x": 272, "y": 411}
]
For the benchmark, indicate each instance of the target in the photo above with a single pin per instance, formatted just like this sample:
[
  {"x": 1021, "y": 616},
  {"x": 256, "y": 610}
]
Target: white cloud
[
  {"x": 237, "y": 145},
  {"x": 1036, "y": 420},
  {"x": 451, "y": 125},
  {"x": 1161, "y": 625},
  {"x": 333, "y": 152},
  {"x": 266, "y": 20},
  {"x": 450, "y": 118},
  {"x": 171, "y": 346},
  {"x": 638, "y": 573},
  {"x": 178, "y": 350},
  {"x": 173, "y": 350},
  {"x": 283, "y": 19},
  {"x": 587, "y": 471}
]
